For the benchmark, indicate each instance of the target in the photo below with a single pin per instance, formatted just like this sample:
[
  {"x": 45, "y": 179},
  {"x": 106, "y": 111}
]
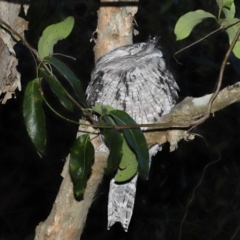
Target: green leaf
[
  {"x": 52, "y": 34},
  {"x": 134, "y": 137},
  {"x": 129, "y": 164},
  {"x": 231, "y": 34},
  {"x": 81, "y": 156},
  {"x": 136, "y": 140},
  {"x": 58, "y": 89},
  {"x": 102, "y": 109},
  {"x": 114, "y": 140},
  {"x": 188, "y": 21},
  {"x": 228, "y": 7},
  {"x": 34, "y": 116},
  {"x": 228, "y": 3},
  {"x": 230, "y": 12},
  {"x": 66, "y": 72}
]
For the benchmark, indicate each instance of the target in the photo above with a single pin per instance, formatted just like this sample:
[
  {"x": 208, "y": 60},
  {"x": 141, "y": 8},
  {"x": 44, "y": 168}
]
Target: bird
[{"x": 133, "y": 78}]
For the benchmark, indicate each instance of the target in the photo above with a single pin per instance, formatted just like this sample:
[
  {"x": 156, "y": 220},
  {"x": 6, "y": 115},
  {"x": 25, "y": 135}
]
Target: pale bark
[
  {"x": 68, "y": 216},
  {"x": 9, "y": 76},
  {"x": 115, "y": 27},
  {"x": 190, "y": 109}
]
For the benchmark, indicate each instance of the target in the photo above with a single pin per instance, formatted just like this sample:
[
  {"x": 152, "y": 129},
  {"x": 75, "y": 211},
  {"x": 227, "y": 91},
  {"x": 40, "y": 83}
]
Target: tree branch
[
  {"x": 186, "y": 112},
  {"x": 68, "y": 216}
]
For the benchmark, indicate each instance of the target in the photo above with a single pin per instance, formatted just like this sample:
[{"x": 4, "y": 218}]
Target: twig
[
  {"x": 208, "y": 35},
  {"x": 193, "y": 194},
  {"x": 64, "y": 55},
  {"x": 199, "y": 40},
  {"x": 219, "y": 83}
]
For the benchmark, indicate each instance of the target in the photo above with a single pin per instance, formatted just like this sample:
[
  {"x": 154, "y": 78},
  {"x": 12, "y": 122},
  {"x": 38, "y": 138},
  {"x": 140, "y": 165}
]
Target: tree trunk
[{"x": 9, "y": 76}]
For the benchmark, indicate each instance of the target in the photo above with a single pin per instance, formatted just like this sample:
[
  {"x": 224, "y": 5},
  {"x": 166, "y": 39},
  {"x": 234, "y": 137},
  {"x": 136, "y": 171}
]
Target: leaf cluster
[
  {"x": 128, "y": 148},
  {"x": 190, "y": 20}
]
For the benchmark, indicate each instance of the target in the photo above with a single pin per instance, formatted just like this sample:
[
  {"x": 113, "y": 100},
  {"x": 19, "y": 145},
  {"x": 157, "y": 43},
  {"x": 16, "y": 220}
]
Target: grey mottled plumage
[{"x": 133, "y": 78}]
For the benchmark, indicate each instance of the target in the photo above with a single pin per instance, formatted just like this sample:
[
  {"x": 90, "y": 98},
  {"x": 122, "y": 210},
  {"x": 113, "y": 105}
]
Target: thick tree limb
[
  {"x": 68, "y": 216},
  {"x": 186, "y": 112}
]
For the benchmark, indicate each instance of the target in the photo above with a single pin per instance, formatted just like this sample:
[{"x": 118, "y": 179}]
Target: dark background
[{"x": 29, "y": 184}]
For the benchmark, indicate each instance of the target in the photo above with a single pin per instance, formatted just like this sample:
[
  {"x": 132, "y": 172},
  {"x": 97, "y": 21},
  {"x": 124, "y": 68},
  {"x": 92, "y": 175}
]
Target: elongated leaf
[
  {"x": 136, "y": 140},
  {"x": 58, "y": 89},
  {"x": 52, "y": 34},
  {"x": 231, "y": 34},
  {"x": 81, "y": 156},
  {"x": 188, "y": 21},
  {"x": 114, "y": 142},
  {"x": 65, "y": 71},
  {"x": 229, "y": 13},
  {"x": 129, "y": 164},
  {"x": 228, "y": 7},
  {"x": 33, "y": 115}
]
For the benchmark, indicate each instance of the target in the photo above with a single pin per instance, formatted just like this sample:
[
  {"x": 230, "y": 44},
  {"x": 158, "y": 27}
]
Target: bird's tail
[
  {"x": 121, "y": 197},
  {"x": 121, "y": 200}
]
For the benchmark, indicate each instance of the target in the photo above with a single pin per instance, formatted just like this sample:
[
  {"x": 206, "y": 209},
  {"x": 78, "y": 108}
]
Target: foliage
[
  {"x": 32, "y": 112},
  {"x": 52, "y": 35},
  {"x": 81, "y": 156},
  {"x": 33, "y": 115},
  {"x": 131, "y": 139},
  {"x": 188, "y": 21},
  {"x": 129, "y": 146}
]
